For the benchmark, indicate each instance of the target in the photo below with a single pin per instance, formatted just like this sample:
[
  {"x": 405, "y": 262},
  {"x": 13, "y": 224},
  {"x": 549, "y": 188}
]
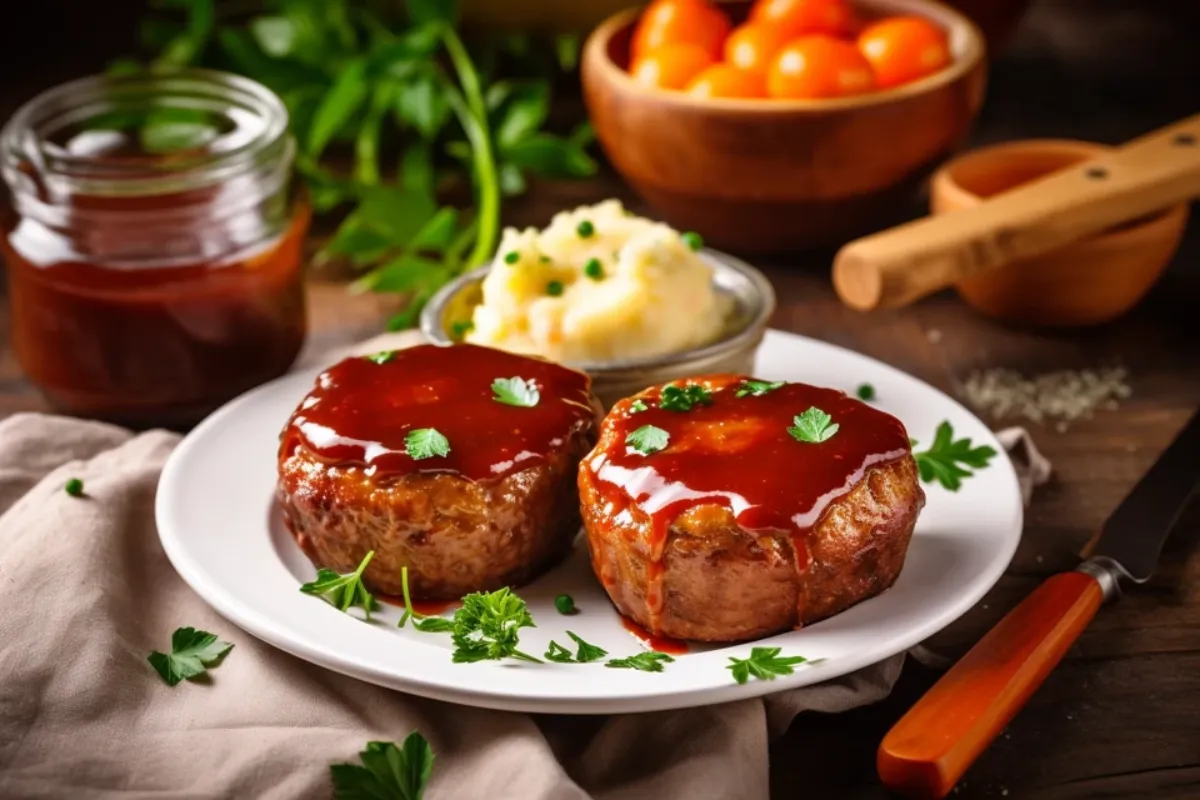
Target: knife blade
[{"x": 929, "y": 749}]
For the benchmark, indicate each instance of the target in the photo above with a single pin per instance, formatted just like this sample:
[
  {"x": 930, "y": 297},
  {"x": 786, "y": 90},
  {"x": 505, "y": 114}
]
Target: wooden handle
[
  {"x": 901, "y": 265},
  {"x": 930, "y": 748}
]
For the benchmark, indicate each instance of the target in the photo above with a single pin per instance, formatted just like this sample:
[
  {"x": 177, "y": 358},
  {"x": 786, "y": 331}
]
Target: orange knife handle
[{"x": 930, "y": 748}]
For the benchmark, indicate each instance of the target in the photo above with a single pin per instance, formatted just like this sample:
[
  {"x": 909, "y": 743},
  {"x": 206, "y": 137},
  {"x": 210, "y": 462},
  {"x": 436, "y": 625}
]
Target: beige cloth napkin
[{"x": 86, "y": 593}]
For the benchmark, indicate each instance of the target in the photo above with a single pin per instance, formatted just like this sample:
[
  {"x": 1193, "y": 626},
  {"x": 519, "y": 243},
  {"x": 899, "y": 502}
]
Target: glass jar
[{"x": 154, "y": 244}]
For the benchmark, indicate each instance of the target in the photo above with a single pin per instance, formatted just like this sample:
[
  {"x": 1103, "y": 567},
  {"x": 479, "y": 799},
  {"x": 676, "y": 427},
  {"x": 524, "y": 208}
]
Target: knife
[{"x": 929, "y": 749}]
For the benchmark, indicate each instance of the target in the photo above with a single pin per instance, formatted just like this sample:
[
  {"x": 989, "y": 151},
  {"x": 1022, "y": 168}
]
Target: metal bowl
[{"x": 750, "y": 303}]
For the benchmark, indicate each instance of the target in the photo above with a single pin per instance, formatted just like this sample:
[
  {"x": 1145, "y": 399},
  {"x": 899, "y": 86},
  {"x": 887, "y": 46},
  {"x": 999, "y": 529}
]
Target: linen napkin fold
[{"x": 86, "y": 593}]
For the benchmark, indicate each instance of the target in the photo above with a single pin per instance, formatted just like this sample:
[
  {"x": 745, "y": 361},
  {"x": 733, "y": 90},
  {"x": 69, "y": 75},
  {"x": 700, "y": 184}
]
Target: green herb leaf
[
  {"x": 941, "y": 461},
  {"x": 757, "y": 388},
  {"x": 865, "y": 392},
  {"x": 764, "y": 663},
  {"x": 566, "y": 50},
  {"x": 813, "y": 426},
  {"x": 425, "y": 443},
  {"x": 557, "y": 653},
  {"x": 74, "y": 487},
  {"x": 344, "y": 591},
  {"x": 434, "y": 625},
  {"x": 648, "y": 661},
  {"x": 342, "y": 102},
  {"x": 524, "y": 111},
  {"x": 382, "y": 357},
  {"x": 423, "y": 104},
  {"x": 192, "y": 653},
  {"x": 423, "y": 11},
  {"x": 586, "y": 652},
  {"x": 684, "y": 398},
  {"x": 638, "y": 406},
  {"x": 275, "y": 35},
  {"x": 647, "y": 439},
  {"x": 516, "y": 392},
  {"x": 550, "y": 156},
  {"x": 486, "y": 627},
  {"x": 388, "y": 772}
]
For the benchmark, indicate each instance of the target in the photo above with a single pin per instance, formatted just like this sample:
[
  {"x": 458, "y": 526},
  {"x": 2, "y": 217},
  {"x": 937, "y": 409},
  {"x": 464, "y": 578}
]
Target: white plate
[{"x": 221, "y": 531}]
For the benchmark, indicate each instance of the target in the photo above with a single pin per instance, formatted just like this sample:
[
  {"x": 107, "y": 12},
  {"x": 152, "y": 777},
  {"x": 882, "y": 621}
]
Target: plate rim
[{"x": 262, "y": 627}]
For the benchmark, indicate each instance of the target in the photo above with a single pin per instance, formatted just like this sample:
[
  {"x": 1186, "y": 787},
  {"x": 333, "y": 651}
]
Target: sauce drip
[
  {"x": 360, "y": 412},
  {"x": 737, "y": 453},
  {"x": 661, "y": 644}
]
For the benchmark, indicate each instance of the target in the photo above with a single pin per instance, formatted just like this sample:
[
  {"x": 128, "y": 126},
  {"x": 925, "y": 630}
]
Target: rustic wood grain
[{"x": 1120, "y": 717}]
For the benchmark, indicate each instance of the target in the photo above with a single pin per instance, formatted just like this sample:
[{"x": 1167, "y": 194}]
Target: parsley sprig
[
  {"x": 684, "y": 398},
  {"x": 813, "y": 426},
  {"x": 764, "y": 663},
  {"x": 344, "y": 591},
  {"x": 192, "y": 653},
  {"x": 941, "y": 461},
  {"x": 423, "y": 443},
  {"x": 752, "y": 388},
  {"x": 421, "y": 622},
  {"x": 585, "y": 652},
  {"x": 486, "y": 627},
  {"x": 646, "y": 661},
  {"x": 516, "y": 392},
  {"x": 648, "y": 439},
  {"x": 387, "y": 772}
]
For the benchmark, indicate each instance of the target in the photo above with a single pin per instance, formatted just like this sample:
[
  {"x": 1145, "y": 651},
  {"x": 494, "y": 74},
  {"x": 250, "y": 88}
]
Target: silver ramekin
[{"x": 752, "y": 301}]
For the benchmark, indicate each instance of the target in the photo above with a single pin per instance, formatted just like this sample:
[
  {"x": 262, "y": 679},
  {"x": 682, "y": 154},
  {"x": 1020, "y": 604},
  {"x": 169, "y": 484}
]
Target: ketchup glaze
[
  {"x": 360, "y": 412},
  {"x": 736, "y": 452}
]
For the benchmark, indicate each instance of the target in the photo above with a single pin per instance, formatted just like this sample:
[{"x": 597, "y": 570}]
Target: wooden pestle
[{"x": 903, "y": 264}]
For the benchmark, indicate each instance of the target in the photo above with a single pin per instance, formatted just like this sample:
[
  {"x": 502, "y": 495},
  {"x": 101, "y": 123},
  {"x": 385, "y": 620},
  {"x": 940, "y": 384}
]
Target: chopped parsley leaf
[
  {"x": 649, "y": 661},
  {"x": 648, "y": 439},
  {"x": 516, "y": 392},
  {"x": 683, "y": 398},
  {"x": 813, "y": 426},
  {"x": 764, "y": 663},
  {"x": 941, "y": 461},
  {"x": 426, "y": 443},
  {"x": 754, "y": 388},
  {"x": 192, "y": 653}
]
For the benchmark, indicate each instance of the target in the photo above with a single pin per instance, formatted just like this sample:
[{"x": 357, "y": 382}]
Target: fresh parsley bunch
[{"x": 395, "y": 86}]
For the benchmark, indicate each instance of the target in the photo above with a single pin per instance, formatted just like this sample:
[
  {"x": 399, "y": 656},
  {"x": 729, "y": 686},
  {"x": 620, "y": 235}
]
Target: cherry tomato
[
  {"x": 803, "y": 17},
  {"x": 671, "y": 67},
  {"x": 723, "y": 80},
  {"x": 752, "y": 47},
  {"x": 819, "y": 66},
  {"x": 902, "y": 49},
  {"x": 680, "y": 22}
]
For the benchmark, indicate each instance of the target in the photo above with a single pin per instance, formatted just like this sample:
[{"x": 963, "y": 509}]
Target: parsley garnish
[
  {"x": 565, "y": 604},
  {"x": 192, "y": 653},
  {"x": 516, "y": 392},
  {"x": 585, "y": 229},
  {"x": 941, "y": 461},
  {"x": 638, "y": 406},
  {"x": 426, "y": 443},
  {"x": 764, "y": 663},
  {"x": 421, "y": 622},
  {"x": 381, "y": 357},
  {"x": 648, "y": 661},
  {"x": 692, "y": 239},
  {"x": 74, "y": 487},
  {"x": 486, "y": 627},
  {"x": 683, "y": 398},
  {"x": 757, "y": 388},
  {"x": 585, "y": 654},
  {"x": 594, "y": 269},
  {"x": 388, "y": 772},
  {"x": 559, "y": 654},
  {"x": 813, "y": 426},
  {"x": 554, "y": 288},
  {"x": 512, "y": 257},
  {"x": 865, "y": 391},
  {"x": 647, "y": 439},
  {"x": 346, "y": 590}
]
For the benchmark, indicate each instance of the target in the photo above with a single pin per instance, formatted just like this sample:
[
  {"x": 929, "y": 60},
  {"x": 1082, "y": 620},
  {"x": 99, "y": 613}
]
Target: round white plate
[{"x": 222, "y": 532}]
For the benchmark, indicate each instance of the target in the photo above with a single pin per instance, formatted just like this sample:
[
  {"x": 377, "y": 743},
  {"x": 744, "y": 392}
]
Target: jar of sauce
[{"x": 154, "y": 244}]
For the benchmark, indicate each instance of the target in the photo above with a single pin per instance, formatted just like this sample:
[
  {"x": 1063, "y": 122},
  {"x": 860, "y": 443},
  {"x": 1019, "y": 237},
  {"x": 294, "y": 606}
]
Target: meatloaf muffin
[
  {"x": 458, "y": 462},
  {"x": 730, "y": 509}
]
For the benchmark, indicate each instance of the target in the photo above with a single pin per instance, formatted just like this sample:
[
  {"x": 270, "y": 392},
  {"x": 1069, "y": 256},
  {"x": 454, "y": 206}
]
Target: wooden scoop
[{"x": 899, "y": 266}]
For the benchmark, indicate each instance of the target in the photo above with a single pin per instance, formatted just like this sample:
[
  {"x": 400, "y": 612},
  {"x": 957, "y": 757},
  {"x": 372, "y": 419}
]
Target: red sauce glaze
[
  {"x": 360, "y": 412},
  {"x": 662, "y": 644},
  {"x": 737, "y": 453},
  {"x": 426, "y": 608}
]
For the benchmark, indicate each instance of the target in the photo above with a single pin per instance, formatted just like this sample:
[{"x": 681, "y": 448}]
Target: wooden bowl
[
  {"x": 780, "y": 175},
  {"x": 1089, "y": 282}
]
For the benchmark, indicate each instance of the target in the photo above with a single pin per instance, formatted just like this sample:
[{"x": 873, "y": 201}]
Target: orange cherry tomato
[
  {"x": 752, "y": 47},
  {"x": 723, "y": 80},
  {"x": 819, "y": 66},
  {"x": 672, "y": 66},
  {"x": 680, "y": 22},
  {"x": 803, "y": 17},
  {"x": 902, "y": 49}
]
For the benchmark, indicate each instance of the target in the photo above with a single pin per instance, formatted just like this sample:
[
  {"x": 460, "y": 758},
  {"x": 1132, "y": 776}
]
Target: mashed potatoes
[{"x": 597, "y": 285}]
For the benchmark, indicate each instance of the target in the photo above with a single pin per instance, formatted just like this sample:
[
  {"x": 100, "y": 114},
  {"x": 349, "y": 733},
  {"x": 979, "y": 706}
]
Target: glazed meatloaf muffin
[
  {"x": 458, "y": 462},
  {"x": 730, "y": 509}
]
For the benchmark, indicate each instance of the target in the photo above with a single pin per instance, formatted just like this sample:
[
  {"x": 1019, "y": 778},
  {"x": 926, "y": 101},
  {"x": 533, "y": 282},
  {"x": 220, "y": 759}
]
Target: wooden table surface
[{"x": 1121, "y": 716}]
